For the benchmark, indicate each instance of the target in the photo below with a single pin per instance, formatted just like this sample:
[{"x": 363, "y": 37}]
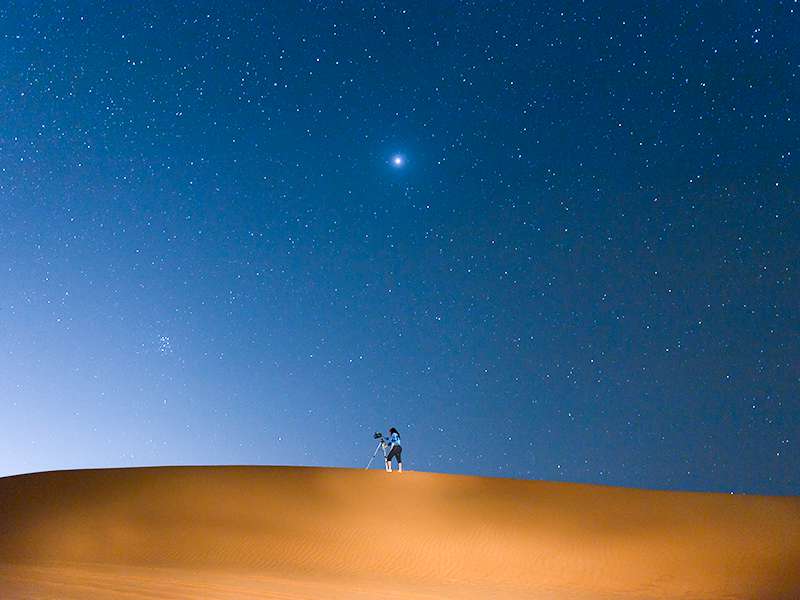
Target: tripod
[{"x": 381, "y": 444}]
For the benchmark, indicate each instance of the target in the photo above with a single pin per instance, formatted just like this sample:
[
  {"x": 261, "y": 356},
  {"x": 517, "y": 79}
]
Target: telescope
[{"x": 381, "y": 445}]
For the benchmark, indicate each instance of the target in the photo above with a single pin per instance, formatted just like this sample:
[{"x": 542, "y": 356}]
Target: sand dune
[{"x": 291, "y": 533}]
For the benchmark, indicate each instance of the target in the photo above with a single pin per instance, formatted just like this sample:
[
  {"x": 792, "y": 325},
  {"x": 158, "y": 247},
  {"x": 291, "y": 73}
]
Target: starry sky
[{"x": 543, "y": 241}]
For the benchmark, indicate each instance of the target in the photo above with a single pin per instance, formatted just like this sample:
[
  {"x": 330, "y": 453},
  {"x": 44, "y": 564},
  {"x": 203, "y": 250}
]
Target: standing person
[{"x": 395, "y": 451}]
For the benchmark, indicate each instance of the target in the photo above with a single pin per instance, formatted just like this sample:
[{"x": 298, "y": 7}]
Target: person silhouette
[{"x": 395, "y": 451}]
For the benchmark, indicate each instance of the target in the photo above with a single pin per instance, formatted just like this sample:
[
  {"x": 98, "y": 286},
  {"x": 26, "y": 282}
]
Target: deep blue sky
[{"x": 585, "y": 268}]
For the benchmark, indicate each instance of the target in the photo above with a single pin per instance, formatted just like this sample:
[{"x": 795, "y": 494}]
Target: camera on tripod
[{"x": 382, "y": 445}]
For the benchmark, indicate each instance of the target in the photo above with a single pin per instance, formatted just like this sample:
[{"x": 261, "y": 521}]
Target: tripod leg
[{"x": 374, "y": 454}]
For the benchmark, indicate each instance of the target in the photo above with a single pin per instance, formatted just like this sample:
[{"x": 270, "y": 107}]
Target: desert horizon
[{"x": 312, "y": 532}]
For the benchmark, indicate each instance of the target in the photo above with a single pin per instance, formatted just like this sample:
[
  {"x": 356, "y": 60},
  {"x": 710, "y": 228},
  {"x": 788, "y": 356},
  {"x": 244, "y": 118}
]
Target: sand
[{"x": 291, "y": 533}]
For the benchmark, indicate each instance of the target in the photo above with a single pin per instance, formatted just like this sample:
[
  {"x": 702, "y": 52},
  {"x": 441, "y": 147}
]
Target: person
[{"x": 395, "y": 451}]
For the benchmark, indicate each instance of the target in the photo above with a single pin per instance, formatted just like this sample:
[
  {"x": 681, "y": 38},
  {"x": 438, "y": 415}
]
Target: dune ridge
[{"x": 301, "y": 532}]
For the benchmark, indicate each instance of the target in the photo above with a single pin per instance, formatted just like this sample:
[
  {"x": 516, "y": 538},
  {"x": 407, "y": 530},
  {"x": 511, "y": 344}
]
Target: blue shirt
[{"x": 394, "y": 440}]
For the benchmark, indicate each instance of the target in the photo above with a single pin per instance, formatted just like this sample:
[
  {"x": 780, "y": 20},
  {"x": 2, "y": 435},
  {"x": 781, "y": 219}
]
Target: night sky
[{"x": 548, "y": 242}]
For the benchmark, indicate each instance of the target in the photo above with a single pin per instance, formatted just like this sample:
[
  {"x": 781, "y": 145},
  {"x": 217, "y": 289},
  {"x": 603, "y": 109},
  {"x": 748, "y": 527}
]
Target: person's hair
[{"x": 393, "y": 430}]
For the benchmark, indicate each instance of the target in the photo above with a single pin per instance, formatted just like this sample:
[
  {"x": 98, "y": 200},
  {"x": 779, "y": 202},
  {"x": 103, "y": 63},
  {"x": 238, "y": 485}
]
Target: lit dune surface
[{"x": 291, "y": 533}]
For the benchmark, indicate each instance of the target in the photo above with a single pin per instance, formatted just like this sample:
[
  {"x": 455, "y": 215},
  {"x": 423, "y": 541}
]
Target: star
[{"x": 398, "y": 160}]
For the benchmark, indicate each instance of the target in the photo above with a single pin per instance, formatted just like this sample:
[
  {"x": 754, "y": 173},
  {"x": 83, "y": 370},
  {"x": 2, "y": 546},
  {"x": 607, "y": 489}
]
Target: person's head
[{"x": 393, "y": 430}]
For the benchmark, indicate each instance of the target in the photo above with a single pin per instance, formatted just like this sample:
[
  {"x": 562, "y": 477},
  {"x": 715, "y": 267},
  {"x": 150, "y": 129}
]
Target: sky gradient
[{"x": 543, "y": 242}]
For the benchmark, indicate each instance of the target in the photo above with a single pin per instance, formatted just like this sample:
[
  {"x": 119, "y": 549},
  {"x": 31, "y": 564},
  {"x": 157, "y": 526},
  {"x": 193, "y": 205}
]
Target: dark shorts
[{"x": 395, "y": 452}]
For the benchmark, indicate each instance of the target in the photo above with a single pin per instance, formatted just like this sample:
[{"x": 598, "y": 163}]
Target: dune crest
[{"x": 286, "y": 532}]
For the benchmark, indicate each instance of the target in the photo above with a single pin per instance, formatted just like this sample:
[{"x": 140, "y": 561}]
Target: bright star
[{"x": 398, "y": 160}]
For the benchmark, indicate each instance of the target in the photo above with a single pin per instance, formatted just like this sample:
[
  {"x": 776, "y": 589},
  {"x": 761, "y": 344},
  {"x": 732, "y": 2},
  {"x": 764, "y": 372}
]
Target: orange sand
[{"x": 290, "y": 533}]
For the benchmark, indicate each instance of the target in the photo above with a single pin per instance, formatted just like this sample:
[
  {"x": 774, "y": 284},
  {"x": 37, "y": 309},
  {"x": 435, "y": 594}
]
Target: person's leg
[
  {"x": 393, "y": 453},
  {"x": 399, "y": 460}
]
